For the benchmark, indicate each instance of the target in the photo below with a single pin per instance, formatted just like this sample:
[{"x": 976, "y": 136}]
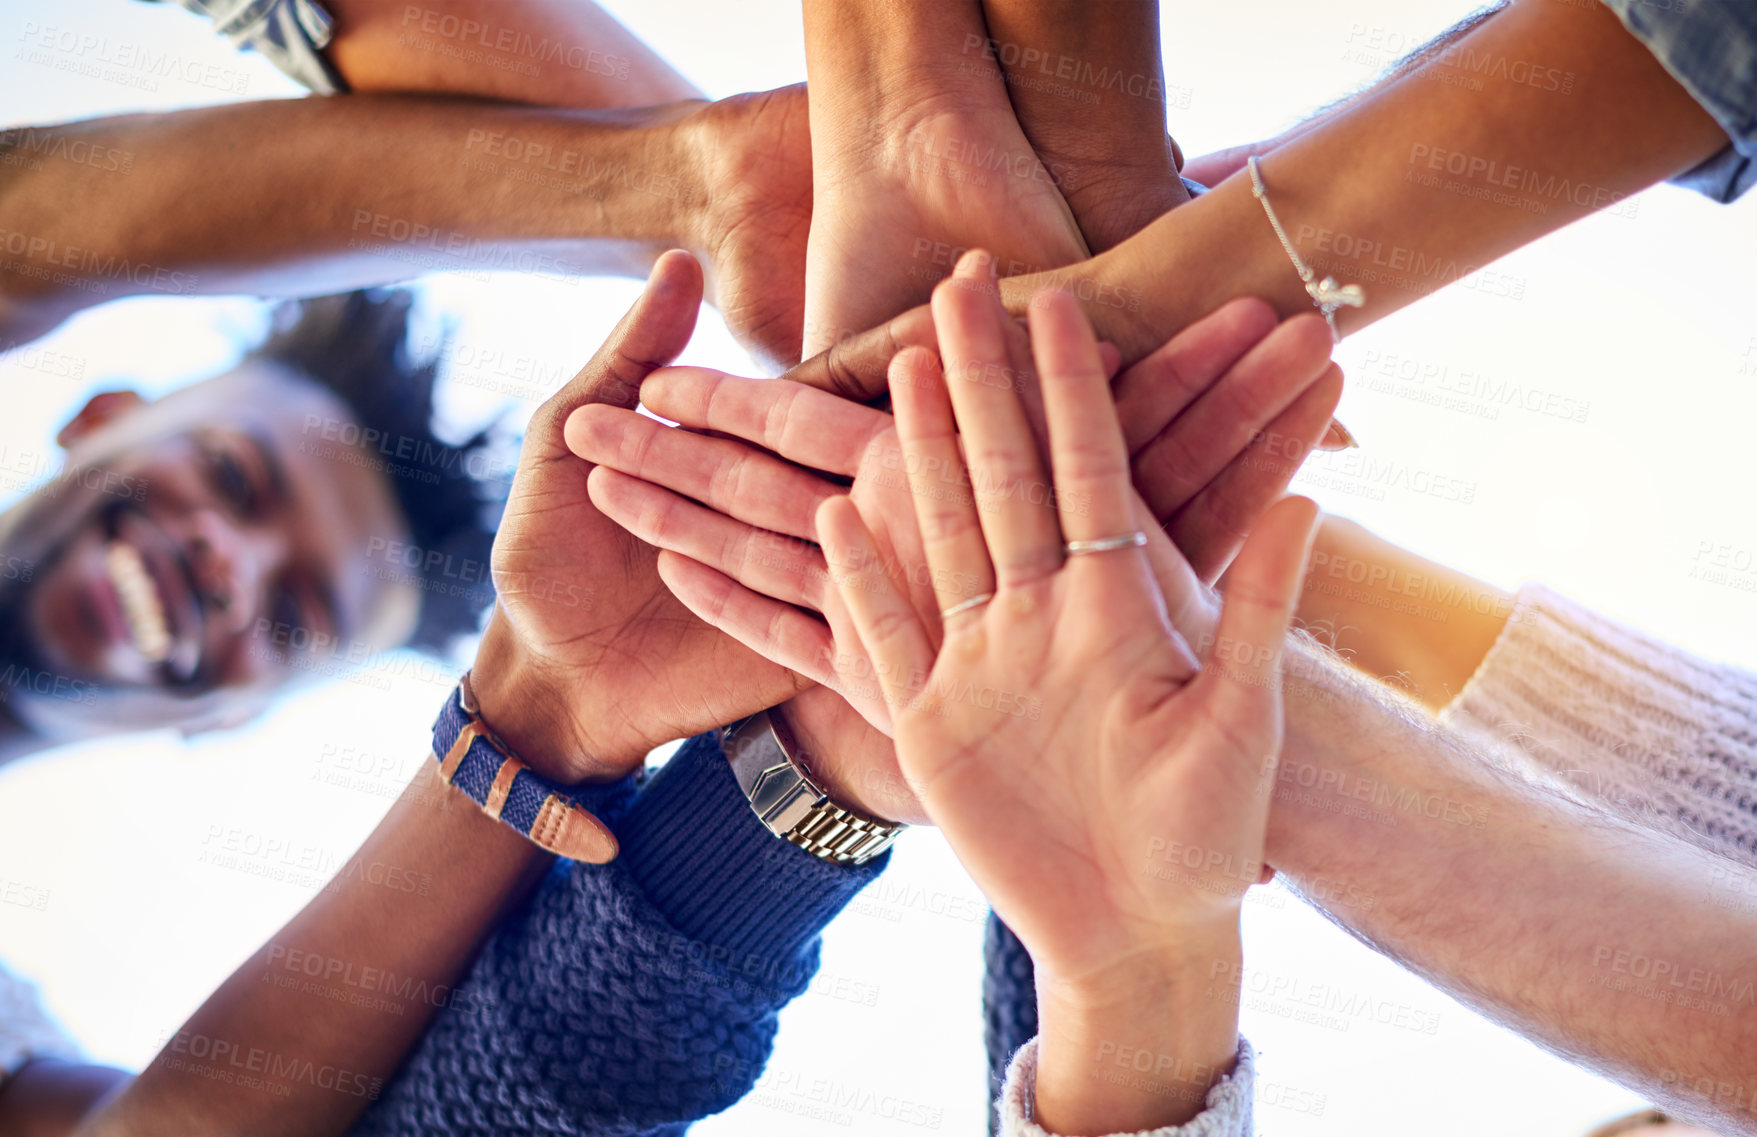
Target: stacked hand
[
  {"x": 1063, "y": 718},
  {"x": 1218, "y": 421},
  {"x": 588, "y": 662},
  {"x": 1062, "y": 733},
  {"x": 1091, "y": 716}
]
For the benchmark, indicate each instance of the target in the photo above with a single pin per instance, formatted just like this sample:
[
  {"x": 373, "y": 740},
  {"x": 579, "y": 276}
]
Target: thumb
[
  {"x": 1244, "y": 663},
  {"x": 858, "y": 367},
  {"x": 649, "y": 336}
]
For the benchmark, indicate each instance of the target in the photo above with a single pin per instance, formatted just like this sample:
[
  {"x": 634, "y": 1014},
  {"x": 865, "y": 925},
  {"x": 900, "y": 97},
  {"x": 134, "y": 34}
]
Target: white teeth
[{"x": 140, "y": 601}]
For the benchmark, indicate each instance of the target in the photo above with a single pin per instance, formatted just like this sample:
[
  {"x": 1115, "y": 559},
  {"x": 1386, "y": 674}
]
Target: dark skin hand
[
  {"x": 537, "y": 639},
  {"x": 1088, "y": 85}
]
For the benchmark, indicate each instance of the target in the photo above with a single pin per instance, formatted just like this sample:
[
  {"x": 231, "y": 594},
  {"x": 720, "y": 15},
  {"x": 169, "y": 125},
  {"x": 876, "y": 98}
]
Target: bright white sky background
[{"x": 1650, "y": 319}]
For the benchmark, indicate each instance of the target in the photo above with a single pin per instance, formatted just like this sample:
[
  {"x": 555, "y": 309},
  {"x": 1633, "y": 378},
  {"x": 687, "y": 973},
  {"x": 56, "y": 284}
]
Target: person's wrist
[
  {"x": 877, "y": 793},
  {"x": 885, "y": 63},
  {"x": 543, "y": 719},
  {"x": 629, "y": 186},
  {"x": 1176, "y": 1003},
  {"x": 691, "y": 143},
  {"x": 1184, "y": 952}
]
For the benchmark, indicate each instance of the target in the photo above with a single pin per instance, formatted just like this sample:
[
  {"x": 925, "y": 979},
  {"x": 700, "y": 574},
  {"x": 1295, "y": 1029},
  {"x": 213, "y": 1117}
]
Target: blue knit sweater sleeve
[
  {"x": 636, "y": 997},
  {"x": 1009, "y": 1004}
]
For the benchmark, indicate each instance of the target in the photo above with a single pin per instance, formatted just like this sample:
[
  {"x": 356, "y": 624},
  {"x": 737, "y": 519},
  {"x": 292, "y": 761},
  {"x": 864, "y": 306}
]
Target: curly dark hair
[{"x": 355, "y": 345}]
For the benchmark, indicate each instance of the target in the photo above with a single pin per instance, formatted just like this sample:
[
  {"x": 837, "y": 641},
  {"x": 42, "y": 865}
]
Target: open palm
[{"x": 1063, "y": 735}]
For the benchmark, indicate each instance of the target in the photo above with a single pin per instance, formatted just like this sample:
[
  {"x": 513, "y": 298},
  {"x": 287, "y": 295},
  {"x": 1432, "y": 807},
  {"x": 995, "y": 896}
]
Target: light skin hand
[
  {"x": 751, "y": 558},
  {"x": 1103, "y": 740},
  {"x": 752, "y": 566},
  {"x": 1362, "y": 175}
]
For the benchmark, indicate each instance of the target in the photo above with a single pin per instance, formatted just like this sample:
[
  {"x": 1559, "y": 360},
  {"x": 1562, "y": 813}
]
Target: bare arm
[
  {"x": 298, "y": 196},
  {"x": 301, "y": 1037},
  {"x": 307, "y": 196},
  {"x": 1422, "y": 182},
  {"x": 1415, "y": 186},
  {"x": 1419, "y": 625},
  {"x": 414, "y": 903},
  {"x": 1624, "y": 962},
  {"x": 562, "y": 53}
]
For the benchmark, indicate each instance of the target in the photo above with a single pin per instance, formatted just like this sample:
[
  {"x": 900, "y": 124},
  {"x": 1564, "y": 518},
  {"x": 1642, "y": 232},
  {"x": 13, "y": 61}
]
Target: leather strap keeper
[{"x": 484, "y": 768}]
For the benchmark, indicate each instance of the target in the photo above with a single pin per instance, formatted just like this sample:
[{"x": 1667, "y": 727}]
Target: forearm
[
  {"x": 1597, "y": 939},
  {"x": 52, "y": 1098},
  {"x": 636, "y": 996},
  {"x": 1417, "y": 185},
  {"x": 1211, "y": 169},
  {"x": 561, "y": 53},
  {"x": 303, "y": 196},
  {"x": 301, "y": 1038},
  {"x": 1141, "y": 1052},
  {"x": 1415, "y": 623}
]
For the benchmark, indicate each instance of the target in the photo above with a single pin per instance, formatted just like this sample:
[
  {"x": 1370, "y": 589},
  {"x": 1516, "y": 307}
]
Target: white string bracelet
[{"x": 1326, "y": 293}]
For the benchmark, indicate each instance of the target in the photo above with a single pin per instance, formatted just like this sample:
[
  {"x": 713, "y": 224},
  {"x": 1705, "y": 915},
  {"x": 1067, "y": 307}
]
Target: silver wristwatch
[{"x": 766, "y": 762}]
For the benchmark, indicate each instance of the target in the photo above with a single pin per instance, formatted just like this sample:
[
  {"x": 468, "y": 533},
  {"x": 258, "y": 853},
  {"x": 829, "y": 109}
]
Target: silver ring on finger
[
  {"x": 963, "y": 606},
  {"x": 1106, "y": 544}
]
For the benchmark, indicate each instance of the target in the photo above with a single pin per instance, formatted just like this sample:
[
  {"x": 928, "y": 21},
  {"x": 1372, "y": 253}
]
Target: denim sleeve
[
  {"x": 1710, "y": 47},
  {"x": 636, "y": 997},
  {"x": 291, "y": 34}
]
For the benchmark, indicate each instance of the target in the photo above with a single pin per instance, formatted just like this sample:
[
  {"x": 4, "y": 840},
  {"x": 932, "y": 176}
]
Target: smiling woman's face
[{"x": 194, "y": 555}]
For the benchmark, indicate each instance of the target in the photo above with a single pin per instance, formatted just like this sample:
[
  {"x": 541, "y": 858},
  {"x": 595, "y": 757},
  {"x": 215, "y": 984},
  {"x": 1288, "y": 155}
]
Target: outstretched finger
[
  {"x": 778, "y": 632},
  {"x": 1211, "y": 527},
  {"x": 889, "y": 627},
  {"x": 649, "y": 336},
  {"x": 939, "y": 486},
  {"x": 1088, "y": 461},
  {"x": 1006, "y": 468},
  {"x": 1223, "y": 419},
  {"x": 725, "y": 474},
  {"x": 1243, "y": 669},
  {"x": 777, "y": 566},
  {"x": 813, "y": 428},
  {"x": 1155, "y": 389}
]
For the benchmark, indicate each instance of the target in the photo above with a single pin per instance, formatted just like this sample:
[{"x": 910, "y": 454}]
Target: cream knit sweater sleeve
[
  {"x": 1226, "y": 1110},
  {"x": 1621, "y": 718}
]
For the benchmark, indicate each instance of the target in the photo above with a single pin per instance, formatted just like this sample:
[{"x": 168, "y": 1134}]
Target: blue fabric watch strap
[{"x": 474, "y": 760}]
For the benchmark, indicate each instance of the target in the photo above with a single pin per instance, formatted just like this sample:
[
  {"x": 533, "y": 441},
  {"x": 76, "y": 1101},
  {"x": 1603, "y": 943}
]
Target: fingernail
[
  {"x": 1337, "y": 437},
  {"x": 975, "y": 264}
]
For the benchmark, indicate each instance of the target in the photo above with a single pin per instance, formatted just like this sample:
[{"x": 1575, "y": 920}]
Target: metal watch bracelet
[{"x": 766, "y": 762}]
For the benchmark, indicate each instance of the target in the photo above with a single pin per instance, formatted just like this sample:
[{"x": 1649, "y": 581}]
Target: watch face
[
  {"x": 779, "y": 793},
  {"x": 751, "y": 750},
  {"x": 781, "y": 798}
]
